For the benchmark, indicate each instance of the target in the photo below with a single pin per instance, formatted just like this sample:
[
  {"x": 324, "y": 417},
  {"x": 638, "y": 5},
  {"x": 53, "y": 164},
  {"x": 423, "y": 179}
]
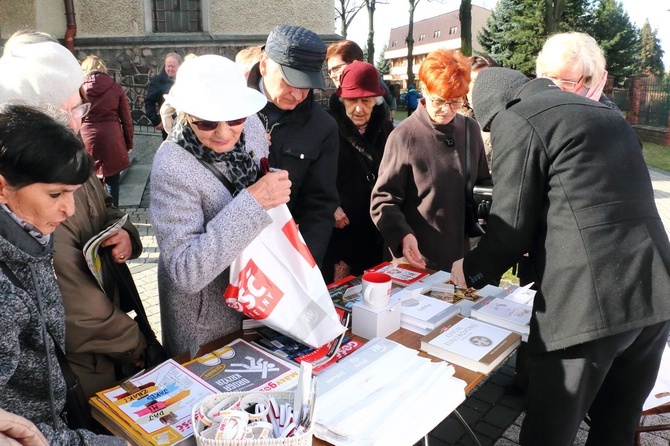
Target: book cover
[
  {"x": 504, "y": 313},
  {"x": 423, "y": 311},
  {"x": 241, "y": 366},
  {"x": 91, "y": 250},
  {"x": 156, "y": 405},
  {"x": 470, "y": 343},
  {"x": 401, "y": 273},
  {"x": 346, "y": 292}
]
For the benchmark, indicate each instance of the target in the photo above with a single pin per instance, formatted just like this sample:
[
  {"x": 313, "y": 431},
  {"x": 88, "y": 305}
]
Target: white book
[
  {"x": 424, "y": 311},
  {"x": 504, "y": 313},
  {"x": 470, "y": 343}
]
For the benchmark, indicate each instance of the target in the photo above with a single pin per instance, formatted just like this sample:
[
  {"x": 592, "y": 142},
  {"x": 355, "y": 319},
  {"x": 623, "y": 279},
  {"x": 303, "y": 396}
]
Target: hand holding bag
[{"x": 276, "y": 280}]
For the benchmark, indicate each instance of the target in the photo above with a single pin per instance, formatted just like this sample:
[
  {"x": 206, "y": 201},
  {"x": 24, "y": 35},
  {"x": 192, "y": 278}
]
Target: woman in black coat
[{"x": 357, "y": 106}]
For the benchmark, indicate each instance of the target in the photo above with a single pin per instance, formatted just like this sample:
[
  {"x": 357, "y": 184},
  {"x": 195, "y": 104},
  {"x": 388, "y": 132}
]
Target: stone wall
[{"x": 132, "y": 62}]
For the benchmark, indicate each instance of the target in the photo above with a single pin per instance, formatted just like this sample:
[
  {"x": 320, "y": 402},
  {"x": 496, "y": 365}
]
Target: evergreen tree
[
  {"x": 650, "y": 56},
  {"x": 617, "y": 37},
  {"x": 383, "y": 65},
  {"x": 514, "y": 34}
]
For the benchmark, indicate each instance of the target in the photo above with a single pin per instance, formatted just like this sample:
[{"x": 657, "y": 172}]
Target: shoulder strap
[
  {"x": 468, "y": 180},
  {"x": 221, "y": 177}
]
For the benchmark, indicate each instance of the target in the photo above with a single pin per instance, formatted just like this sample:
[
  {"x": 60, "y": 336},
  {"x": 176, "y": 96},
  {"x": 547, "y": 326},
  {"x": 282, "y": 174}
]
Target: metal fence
[{"x": 654, "y": 102}]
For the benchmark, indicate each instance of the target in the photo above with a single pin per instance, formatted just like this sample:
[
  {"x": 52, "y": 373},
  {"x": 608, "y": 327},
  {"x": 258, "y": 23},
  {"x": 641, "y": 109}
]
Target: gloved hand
[{"x": 483, "y": 211}]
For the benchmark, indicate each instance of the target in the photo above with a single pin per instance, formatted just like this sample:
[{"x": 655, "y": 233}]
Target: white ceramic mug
[{"x": 376, "y": 289}]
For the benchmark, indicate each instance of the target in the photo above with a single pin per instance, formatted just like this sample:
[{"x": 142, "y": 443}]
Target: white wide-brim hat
[
  {"x": 36, "y": 73},
  {"x": 214, "y": 88}
]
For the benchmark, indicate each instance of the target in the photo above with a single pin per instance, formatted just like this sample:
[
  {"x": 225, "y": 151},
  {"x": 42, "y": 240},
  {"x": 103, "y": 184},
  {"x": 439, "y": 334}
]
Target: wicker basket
[{"x": 304, "y": 439}]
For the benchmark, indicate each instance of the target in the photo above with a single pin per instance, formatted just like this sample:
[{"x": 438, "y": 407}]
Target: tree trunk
[
  {"x": 465, "y": 16},
  {"x": 552, "y": 15},
  {"x": 371, "y": 30},
  {"x": 410, "y": 43}
]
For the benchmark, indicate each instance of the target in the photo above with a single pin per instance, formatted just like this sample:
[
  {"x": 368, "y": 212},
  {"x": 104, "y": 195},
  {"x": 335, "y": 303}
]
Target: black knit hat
[
  {"x": 300, "y": 53},
  {"x": 493, "y": 89}
]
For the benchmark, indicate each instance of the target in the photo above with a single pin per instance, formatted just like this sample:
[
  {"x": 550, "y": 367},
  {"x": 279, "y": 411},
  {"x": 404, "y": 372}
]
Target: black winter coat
[
  {"x": 359, "y": 244},
  {"x": 572, "y": 189},
  {"x": 158, "y": 86},
  {"x": 304, "y": 143}
]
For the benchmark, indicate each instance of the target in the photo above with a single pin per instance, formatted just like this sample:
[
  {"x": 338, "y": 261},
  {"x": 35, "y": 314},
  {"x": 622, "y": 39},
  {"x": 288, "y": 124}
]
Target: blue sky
[{"x": 396, "y": 14}]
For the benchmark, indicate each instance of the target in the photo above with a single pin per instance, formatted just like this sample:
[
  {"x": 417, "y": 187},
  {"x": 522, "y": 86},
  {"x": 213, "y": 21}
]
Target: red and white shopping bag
[{"x": 276, "y": 280}]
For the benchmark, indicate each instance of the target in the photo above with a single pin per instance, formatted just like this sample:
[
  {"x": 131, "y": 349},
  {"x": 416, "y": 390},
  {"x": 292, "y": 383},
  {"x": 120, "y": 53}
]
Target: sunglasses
[{"x": 208, "y": 126}]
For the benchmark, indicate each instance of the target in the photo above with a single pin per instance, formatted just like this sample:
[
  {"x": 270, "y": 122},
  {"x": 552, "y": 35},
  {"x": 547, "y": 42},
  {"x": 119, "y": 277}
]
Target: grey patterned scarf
[
  {"x": 240, "y": 166},
  {"x": 30, "y": 229}
]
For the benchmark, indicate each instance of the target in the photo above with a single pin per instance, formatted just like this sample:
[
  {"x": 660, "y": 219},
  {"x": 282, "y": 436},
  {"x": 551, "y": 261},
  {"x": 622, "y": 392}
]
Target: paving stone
[
  {"x": 488, "y": 430},
  {"x": 500, "y": 416},
  {"x": 489, "y": 393}
]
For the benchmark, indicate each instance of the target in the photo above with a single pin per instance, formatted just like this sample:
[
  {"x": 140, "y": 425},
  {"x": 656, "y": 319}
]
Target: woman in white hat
[{"x": 208, "y": 200}]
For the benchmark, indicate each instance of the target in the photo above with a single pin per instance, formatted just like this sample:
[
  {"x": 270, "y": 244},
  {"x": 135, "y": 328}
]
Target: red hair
[{"x": 446, "y": 73}]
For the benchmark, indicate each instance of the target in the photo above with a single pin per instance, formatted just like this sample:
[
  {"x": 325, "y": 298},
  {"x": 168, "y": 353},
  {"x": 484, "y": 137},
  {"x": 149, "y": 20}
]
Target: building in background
[
  {"x": 133, "y": 36},
  {"x": 442, "y": 31}
]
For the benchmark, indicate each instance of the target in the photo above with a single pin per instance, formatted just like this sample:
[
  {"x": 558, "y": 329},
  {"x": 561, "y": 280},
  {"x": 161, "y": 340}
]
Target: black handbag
[
  {"x": 129, "y": 300},
  {"x": 473, "y": 228}
]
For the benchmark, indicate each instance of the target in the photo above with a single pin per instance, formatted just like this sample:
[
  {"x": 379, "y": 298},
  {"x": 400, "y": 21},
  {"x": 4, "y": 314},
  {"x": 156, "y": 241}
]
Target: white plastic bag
[{"x": 276, "y": 280}]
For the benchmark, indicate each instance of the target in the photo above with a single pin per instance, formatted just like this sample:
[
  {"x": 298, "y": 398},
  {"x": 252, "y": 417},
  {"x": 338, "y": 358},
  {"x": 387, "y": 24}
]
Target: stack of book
[
  {"x": 504, "y": 313},
  {"x": 470, "y": 343},
  {"x": 154, "y": 408},
  {"x": 421, "y": 313}
]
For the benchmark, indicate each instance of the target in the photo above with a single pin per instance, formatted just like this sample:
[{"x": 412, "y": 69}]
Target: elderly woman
[
  {"x": 36, "y": 196},
  {"x": 575, "y": 63},
  {"x": 357, "y": 107},
  {"x": 107, "y": 129},
  {"x": 419, "y": 203},
  {"x": 342, "y": 53},
  {"x": 36, "y": 69},
  {"x": 208, "y": 201}
]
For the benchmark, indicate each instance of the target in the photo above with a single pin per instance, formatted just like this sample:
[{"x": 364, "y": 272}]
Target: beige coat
[{"x": 97, "y": 332}]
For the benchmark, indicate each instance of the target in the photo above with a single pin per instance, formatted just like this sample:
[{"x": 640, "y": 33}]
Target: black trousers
[{"x": 610, "y": 378}]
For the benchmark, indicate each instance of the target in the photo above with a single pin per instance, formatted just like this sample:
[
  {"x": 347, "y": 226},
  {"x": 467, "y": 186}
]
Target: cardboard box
[{"x": 368, "y": 322}]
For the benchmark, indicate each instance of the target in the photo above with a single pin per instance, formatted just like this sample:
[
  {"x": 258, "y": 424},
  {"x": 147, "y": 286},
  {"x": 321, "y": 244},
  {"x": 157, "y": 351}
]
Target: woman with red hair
[{"x": 418, "y": 202}]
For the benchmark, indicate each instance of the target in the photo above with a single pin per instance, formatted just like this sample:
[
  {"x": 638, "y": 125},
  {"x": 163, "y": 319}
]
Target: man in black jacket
[
  {"x": 572, "y": 190},
  {"x": 158, "y": 86},
  {"x": 303, "y": 136}
]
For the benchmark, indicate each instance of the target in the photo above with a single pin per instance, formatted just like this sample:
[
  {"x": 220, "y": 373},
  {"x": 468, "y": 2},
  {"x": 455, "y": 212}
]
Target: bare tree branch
[{"x": 345, "y": 12}]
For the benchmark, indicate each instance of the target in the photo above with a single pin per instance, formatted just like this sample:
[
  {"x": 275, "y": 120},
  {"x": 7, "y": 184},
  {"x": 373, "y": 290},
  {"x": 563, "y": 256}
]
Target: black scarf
[{"x": 240, "y": 167}]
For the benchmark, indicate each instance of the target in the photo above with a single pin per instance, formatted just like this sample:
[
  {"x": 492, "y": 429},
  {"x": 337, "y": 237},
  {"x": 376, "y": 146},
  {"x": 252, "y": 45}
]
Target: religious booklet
[
  {"x": 153, "y": 408},
  {"x": 470, "y": 343},
  {"x": 504, "y": 313},
  {"x": 91, "y": 249},
  {"x": 241, "y": 367}
]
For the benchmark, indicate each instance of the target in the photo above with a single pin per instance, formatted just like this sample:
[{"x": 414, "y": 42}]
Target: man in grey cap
[
  {"x": 573, "y": 191},
  {"x": 303, "y": 135}
]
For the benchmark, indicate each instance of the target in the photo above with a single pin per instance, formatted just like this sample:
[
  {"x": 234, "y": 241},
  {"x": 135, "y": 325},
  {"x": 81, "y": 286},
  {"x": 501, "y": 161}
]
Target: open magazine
[{"x": 92, "y": 249}]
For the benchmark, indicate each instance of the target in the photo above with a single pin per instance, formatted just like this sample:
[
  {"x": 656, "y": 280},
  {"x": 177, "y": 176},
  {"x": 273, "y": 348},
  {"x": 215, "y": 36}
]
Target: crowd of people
[{"x": 572, "y": 204}]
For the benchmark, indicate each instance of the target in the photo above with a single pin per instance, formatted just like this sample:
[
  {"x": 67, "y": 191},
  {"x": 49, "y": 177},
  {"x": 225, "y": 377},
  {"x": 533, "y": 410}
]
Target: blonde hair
[
  {"x": 247, "y": 57},
  {"x": 565, "y": 49},
  {"x": 93, "y": 63}
]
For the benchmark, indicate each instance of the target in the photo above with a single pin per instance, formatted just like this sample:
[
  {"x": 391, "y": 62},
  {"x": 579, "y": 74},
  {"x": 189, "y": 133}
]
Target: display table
[{"x": 404, "y": 337}]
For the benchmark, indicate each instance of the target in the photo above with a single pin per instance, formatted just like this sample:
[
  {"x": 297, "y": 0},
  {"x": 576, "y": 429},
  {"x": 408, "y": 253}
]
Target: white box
[{"x": 368, "y": 322}]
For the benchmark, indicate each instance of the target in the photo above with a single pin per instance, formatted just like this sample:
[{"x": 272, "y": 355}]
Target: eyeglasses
[
  {"x": 80, "y": 111},
  {"x": 566, "y": 85},
  {"x": 440, "y": 103},
  {"x": 336, "y": 68},
  {"x": 208, "y": 126}
]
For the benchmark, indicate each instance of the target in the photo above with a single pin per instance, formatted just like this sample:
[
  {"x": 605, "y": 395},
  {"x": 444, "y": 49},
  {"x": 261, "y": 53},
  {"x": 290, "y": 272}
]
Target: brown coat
[
  {"x": 421, "y": 187},
  {"x": 97, "y": 331},
  {"x": 107, "y": 130}
]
